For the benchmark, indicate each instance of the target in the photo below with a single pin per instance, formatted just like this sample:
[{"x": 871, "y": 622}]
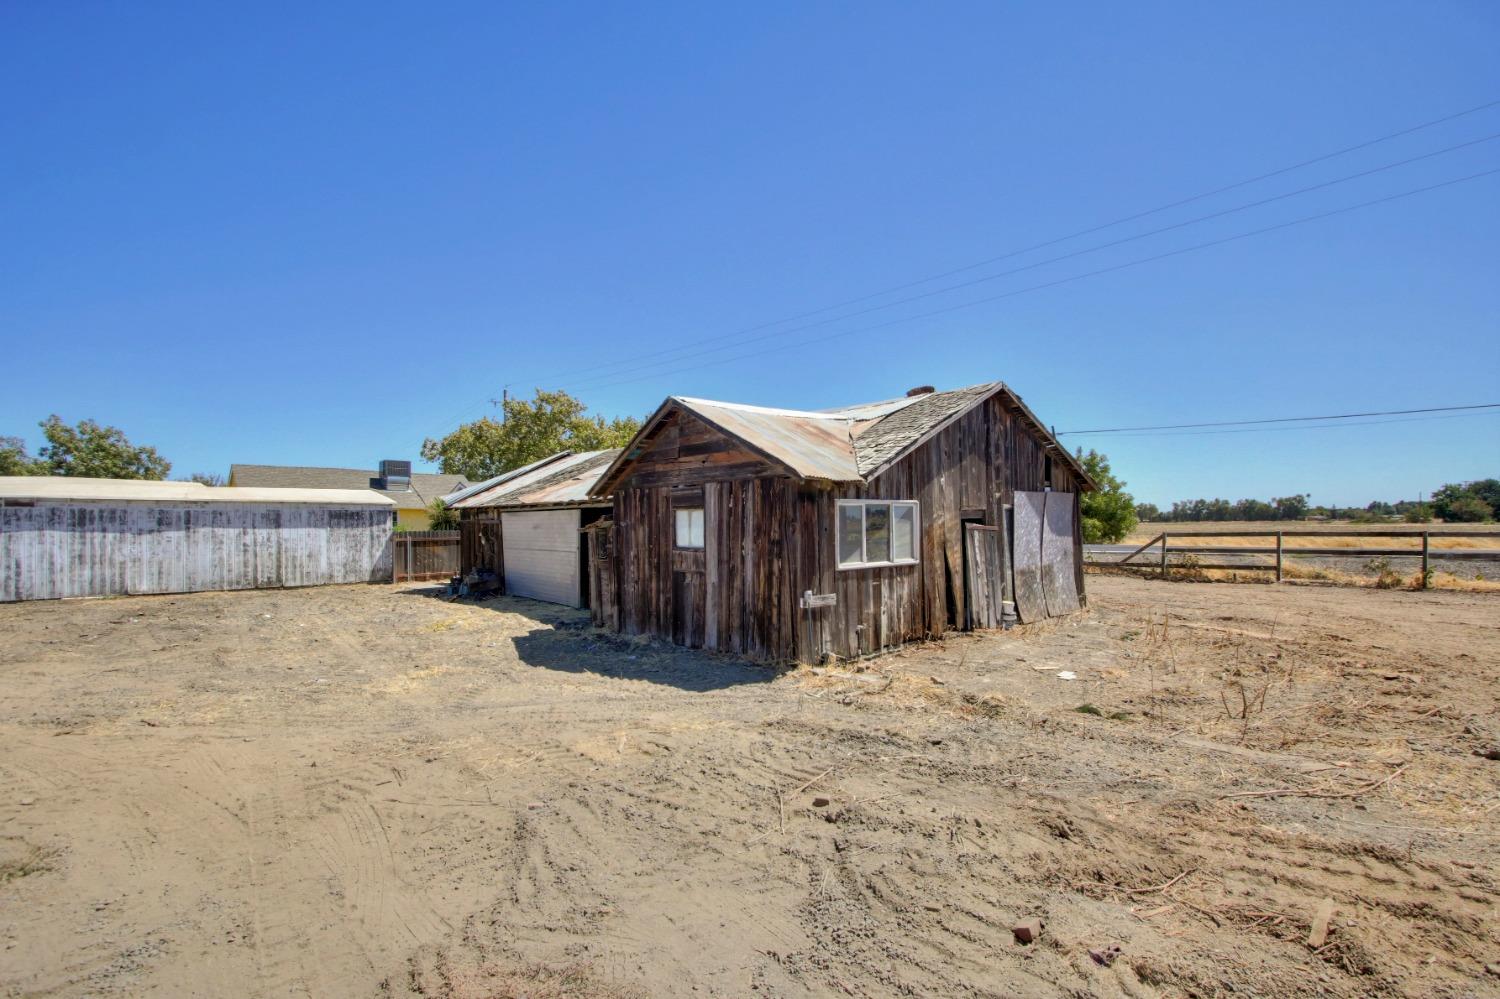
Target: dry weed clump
[
  {"x": 33, "y": 860},
  {"x": 1388, "y": 579},
  {"x": 534, "y": 981}
]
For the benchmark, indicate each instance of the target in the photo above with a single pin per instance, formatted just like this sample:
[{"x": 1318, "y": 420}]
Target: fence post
[
  {"x": 1163, "y": 554},
  {"x": 1278, "y": 556},
  {"x": 411, "y": 565},
  {"x": 1426, "y": 539}
]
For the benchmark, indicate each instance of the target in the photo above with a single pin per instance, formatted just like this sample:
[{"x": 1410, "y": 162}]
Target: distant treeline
[{"x": 1468, "y": 502}]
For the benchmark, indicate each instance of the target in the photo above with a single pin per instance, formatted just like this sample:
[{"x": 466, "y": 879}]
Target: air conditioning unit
[{"x": 395, "y": 474}]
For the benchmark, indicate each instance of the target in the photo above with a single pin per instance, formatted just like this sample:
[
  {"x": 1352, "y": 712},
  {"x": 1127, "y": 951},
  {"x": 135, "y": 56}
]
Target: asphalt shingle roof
[
  {"x": 425, "y": 486},
  {"x": 890, "y": 435}
]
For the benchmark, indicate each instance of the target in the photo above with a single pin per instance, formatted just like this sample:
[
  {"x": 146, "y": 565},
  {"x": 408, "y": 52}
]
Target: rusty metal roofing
[
  {"x": 847, "y": 444},
  {"x": 813, "y": 445},
  {"x": 480, "y": 487},
  {"x": 562, "y": 480}
]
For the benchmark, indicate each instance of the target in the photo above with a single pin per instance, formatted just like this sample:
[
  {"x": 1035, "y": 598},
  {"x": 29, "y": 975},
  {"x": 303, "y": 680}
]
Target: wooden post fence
[
  {"x": 1281, "y": 550},
  {"x": 424, "y": 555}
]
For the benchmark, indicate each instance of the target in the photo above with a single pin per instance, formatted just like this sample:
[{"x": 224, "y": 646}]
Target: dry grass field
[
  {"x": 365, "y": 791},
  {"x": 1385, "y": 572}
]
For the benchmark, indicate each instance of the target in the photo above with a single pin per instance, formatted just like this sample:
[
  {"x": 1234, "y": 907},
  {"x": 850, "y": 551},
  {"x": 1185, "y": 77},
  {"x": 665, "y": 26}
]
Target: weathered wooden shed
[
  {"x": 525, "y": 525},
  {"x": 77, "y": 537},
  {"x": 797, "y": 534}
]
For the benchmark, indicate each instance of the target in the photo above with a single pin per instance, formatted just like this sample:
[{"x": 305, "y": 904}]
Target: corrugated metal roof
[
  {"x": 847, "y": 444},
  {"x": 63, "y": 488},
  {"x": 813, "y": 445},
  {"x": 479, "y": 487},
  {"x": 564, "y": 479}
]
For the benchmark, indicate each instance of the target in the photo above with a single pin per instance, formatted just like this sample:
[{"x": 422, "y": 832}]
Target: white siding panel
[{"x": 541, "y": 555}]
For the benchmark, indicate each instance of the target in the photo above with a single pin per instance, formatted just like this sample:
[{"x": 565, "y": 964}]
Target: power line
[
  {"x": 1283, "y": 419},
  {"x": 1178, "y": 203},
  {"x": 1076, "y": 277},
  {"x": 1477, "y": 411},
  {"x": 1012, "y": 253},
  {"x": 1052, "y": 260}
]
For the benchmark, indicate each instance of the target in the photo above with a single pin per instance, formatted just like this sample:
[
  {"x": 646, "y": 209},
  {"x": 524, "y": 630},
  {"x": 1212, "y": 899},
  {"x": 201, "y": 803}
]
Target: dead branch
[
  {"x": 810, "y": 783},
  {"x": 1138, "y": 891},
  {"x": 1282, "y": 792}
]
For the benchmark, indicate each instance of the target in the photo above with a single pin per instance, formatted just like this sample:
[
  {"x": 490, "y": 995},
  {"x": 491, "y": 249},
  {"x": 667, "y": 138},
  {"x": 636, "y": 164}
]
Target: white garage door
[{"x": 541, "y": 555}]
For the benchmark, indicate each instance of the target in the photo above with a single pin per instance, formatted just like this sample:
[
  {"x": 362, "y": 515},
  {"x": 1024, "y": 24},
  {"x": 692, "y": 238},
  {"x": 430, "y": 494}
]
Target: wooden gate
[
  {"x": 985, "y": 569},
  {"x": 425, "y": 554},
  {"x": 480, "y": 546},
  {"x": 604, "y": 598}
]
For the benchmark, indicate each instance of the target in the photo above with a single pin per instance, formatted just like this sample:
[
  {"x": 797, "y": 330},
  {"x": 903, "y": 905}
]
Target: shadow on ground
[{"x": 566, "y": 640}]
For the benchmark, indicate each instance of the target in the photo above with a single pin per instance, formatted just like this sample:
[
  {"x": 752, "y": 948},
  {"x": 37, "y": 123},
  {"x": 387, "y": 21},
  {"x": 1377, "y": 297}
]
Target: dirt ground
[{"x": 365, "y": 791}]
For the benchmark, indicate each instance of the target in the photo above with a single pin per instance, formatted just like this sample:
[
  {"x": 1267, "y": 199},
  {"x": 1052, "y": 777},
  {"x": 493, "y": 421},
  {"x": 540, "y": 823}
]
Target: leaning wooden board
[
  {"x": 1026, "y": 547},
  {"x": 1058, "y": 586}
]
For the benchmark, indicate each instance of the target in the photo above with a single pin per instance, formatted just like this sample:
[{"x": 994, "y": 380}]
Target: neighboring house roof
[
  {"x": 62, "y": 487},
  {"x": 493, "y": 481},
  {"x": 425, "y": 486},
  {"x": 849, "y": 444},
  {"x": 562, "y": 479}
]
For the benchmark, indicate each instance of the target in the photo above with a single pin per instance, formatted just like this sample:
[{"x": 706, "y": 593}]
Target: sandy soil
[{"x": 366, "y": 791}]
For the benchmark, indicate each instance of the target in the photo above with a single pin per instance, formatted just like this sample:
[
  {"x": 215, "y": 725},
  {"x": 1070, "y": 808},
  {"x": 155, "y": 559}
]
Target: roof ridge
[{"x": 745, "y": 407}]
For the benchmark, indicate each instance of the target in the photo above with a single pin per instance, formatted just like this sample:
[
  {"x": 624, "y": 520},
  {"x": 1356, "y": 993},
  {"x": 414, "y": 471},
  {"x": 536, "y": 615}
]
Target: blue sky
[{"x": 316, "y": 234}]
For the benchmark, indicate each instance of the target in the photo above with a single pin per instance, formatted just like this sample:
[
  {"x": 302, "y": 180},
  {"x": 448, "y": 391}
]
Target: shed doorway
[{"x": 541, "y": 555}]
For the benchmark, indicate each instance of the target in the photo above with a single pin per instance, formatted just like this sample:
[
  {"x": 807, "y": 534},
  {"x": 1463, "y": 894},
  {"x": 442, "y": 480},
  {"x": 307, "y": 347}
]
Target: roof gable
[{"x": 848, "y": 444}]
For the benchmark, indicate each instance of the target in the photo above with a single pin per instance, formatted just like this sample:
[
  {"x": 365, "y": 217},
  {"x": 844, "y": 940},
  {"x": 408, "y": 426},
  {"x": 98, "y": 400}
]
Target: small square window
[
  {"x": 877, "y": 533},
  {"x": 689, "y": 528}
]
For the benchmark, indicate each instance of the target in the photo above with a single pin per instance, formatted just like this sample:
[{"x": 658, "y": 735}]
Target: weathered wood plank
[
  {"x": 56, "y": 550},
  {"x": 1026, "y": 552},
  {"x": 1059, "y": 554}
]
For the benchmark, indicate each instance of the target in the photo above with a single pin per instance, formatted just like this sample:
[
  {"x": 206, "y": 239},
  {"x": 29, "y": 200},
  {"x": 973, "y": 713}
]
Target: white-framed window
[
  {"x": 689, "y": 527},
  {"x": 878, "y": 532}
]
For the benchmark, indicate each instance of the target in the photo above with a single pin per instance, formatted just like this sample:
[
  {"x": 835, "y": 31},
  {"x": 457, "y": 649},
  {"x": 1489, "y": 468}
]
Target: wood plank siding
[
  {"x": 770, "y": 536},
  {"x": 52, "y": 549}
]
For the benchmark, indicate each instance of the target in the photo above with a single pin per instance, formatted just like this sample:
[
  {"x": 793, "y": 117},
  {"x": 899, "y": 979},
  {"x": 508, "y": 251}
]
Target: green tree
[
  {"x": 207, "y": 478},
  {"x": 1108, "y": 512},
  {"x": 1290, "y": 507},
  {"x": 441, "y": 517},
  {"x": 1487, "y": 490},
  {"x": 97, "y": 451},
  {"x": 1417, "y": 513},
  {"x": 1468, "y": 509},
  {"x": 14, "y": 460},
  {"x": 531, "y": 430},
  {"x": 1147, "y": 511}
]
